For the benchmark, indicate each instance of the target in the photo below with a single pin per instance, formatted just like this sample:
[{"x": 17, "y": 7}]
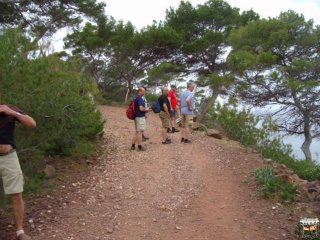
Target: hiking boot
[
  {"x": 144, "y": 138},
  {"x": 175, "y": 130},
  {"x": 167, "y": 141},
  {"x": 187, "y": 141},
  {"x": 169, "y": 130},
  {"x": 141, "y": 149},
  {"x": 182, "y": 140},
  {"x": 24, "y": 236}
]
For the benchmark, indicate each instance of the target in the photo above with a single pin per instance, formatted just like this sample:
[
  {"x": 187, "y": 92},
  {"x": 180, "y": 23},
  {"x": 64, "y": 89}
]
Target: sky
[{"x": 143, "y": 12}]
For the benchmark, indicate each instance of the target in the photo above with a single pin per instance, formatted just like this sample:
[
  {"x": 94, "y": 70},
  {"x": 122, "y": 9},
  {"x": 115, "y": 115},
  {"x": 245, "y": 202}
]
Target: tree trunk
[
  {"x": 306, "y": 148},
  {"x": 208, "y": 104},
  {"x": 307, "y": 142},
  {"x": 128, "y": 91},
  {"x": 127, "y": 94}
]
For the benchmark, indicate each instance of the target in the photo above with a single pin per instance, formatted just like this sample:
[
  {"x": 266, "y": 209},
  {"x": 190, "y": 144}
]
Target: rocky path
[{"x": 198, "y": 191}]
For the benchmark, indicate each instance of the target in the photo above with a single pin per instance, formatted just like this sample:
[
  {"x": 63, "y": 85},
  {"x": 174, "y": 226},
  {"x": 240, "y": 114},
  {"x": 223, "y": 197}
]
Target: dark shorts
[{"x": 173, "y": 113}]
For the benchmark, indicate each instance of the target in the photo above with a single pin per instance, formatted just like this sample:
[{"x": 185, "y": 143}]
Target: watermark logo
[{"x": 309, "y": 228}]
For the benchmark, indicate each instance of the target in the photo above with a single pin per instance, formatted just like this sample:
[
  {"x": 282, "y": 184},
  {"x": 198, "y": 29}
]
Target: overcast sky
[{"x": 143, "y": 12}]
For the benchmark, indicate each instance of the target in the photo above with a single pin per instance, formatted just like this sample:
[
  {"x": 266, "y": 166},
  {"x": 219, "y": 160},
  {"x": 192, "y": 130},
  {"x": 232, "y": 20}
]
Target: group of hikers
[
  {"x": 170, "y": 106},
  {"x": 172, "y": 110}
]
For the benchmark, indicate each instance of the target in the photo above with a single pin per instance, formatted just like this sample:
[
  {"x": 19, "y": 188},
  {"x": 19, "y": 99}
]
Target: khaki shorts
[
  {"x": 140, "y": 124},
  {"x": 164, "y": 119},
  {"x": 187, "y": 120},
  {"x": 11, "y": 174}
]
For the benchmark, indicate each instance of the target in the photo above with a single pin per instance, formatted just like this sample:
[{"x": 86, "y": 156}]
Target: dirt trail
[{"x": 176, "y": 191}]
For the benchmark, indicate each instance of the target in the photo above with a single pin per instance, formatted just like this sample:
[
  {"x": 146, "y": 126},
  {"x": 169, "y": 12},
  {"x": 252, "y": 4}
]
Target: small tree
[
  {"x": 116, "y": 54},
  {"x": 55, "y": 93},
  {"x": 277, "y": 64},
  {"x": 205, "y": 30}
]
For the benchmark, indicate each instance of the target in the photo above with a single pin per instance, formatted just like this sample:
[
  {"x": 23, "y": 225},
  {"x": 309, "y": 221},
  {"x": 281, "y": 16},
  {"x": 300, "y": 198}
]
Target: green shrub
[
  {"x": 272, "y": 186},
  {"x": 243, "y": 127},
  {"x": 152, "y": 97},
  {"x": 275, "y": 150},
  {"x": 56, "y": 94},
  {"x": 114, "y": 93}
]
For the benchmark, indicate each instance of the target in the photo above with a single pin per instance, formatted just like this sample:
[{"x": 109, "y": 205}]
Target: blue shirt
[
  {"x": 187, "y": 94},
  {"x": 139, "y": 102}
]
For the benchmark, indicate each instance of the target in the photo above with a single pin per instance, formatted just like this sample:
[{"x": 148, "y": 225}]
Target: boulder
[
  {"x": 312, "y": 194},
  {"x": 49, "y": 171},
  {"x": 214, "y": 133},
  {"x": 309, "y": 189}
]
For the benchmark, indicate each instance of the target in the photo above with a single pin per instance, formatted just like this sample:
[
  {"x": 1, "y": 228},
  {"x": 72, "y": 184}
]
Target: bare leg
[
  {"x": 183, "y": 130},
  {"x": 178, "y": 112},
  {"x": 172, "y": 121},
  {"x": 135, "y": 138},
  {"x": 18, "y": 209},
  {"x": 139, "y": 138},
  {"x": 186, "y": 132},
  {"x": 164, "y": 134}
]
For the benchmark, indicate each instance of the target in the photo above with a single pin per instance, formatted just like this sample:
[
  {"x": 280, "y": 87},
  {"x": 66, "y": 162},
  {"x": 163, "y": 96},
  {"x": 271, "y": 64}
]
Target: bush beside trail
[
  {"x": 243, "y": 127},
  {"x": 55, "y": 93}
]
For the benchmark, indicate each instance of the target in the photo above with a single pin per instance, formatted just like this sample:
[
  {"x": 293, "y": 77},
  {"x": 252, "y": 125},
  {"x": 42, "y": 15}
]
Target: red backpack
[{"x": 131, "y": 111}]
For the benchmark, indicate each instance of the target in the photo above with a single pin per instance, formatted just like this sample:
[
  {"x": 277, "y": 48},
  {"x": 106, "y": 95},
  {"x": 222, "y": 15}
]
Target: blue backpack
[{"x": 155, "y": 106}]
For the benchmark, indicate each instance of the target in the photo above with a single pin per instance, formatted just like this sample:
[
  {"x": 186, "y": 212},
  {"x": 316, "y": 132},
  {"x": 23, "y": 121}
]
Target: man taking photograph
[{"x": 10, "y": 170}]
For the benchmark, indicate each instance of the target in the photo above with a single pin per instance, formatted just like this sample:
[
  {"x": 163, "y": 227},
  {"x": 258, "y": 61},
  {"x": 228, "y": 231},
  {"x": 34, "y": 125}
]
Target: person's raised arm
[{"x": 22, "y": 118}]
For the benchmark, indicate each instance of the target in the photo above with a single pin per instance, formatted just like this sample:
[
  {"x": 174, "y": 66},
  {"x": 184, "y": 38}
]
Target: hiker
[
  {"x": 144, "y": 137},
  {"x": 187, "y": 112},
  {"x": 139, "y": 120},
  {"x": 164, "y": 114},
  {"x": 10, "y": 170},
  {"x": 173, "y": 112}
]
